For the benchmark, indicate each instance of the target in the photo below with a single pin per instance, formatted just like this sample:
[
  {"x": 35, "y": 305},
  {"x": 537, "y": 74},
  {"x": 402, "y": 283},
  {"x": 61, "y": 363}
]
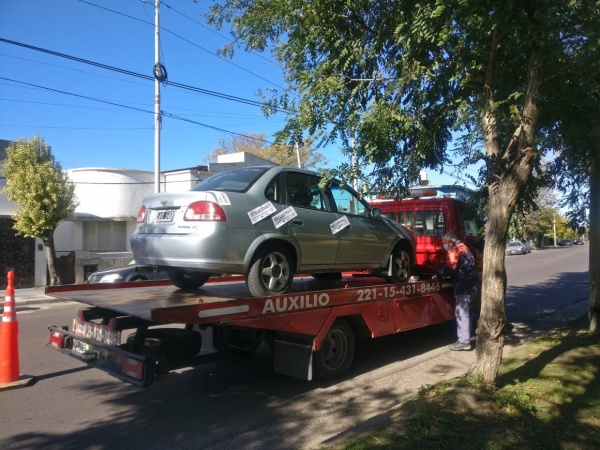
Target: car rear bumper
[{"x": 193, "y": 251}]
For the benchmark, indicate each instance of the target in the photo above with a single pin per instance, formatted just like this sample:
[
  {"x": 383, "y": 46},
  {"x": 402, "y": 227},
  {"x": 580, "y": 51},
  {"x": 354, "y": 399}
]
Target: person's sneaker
[{"x": 459, "y": 346}]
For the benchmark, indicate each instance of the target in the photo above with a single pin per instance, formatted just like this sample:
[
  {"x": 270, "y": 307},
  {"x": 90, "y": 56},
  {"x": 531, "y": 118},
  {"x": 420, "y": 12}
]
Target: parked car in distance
[
  {"x": 518, "y": 248},
  {"x": 130, "y": 272},
  {"x": 566, "y": 243},
  {"x": 578, "y": 242},
  {"x": 267, "y": 223}
]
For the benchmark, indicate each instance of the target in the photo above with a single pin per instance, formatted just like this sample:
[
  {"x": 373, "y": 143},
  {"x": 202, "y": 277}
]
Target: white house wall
[
  {"x": 110, "y": 193},
  {"x": 40, "y": 278},
  {"x": 68, "y": 237}
]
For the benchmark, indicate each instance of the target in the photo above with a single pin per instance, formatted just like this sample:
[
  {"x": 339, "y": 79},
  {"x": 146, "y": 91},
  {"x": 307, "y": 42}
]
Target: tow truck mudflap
[
  {"x": 293, "y": 357},
  {"x": 137, "y": 369}
]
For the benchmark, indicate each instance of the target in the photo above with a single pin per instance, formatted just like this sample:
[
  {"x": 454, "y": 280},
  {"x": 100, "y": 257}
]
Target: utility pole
[
  {"x": 354, "y": 163},
  {"x": 157, "y": 116}
]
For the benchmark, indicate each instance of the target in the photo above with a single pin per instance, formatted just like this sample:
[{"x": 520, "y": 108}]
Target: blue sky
[{"x": 54, "y": 96}]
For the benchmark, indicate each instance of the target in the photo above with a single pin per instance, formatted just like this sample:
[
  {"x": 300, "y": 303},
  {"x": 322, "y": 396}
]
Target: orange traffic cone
[{"x": 9, "y": 342}]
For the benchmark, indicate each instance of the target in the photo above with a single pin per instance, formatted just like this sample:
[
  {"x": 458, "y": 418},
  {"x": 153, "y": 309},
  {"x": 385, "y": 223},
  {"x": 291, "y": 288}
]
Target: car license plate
[
  {"x": 165, "y": 215},
  {"x": 80, "y": 346},
  {"x": 95, "y": 331}
]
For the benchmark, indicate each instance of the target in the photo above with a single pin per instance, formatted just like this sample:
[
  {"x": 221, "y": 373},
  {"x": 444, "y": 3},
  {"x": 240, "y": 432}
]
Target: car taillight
[
  {"x": 141, "y": 214},
  {"x": 204, "y": 212}
]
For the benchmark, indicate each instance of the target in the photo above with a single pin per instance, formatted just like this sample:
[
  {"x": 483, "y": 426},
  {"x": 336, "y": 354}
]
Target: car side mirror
[{"x": 376, "y": 213}]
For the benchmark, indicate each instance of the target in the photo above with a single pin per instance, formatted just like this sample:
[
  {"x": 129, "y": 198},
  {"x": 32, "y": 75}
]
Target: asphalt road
[{"x": 239, "y": 402}]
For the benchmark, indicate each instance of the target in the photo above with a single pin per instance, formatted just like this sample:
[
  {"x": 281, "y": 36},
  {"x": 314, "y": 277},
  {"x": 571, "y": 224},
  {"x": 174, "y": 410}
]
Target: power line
[
  {"x": 173, "y": 116},
  {"x": 183, "y": 39},
  {"x": 139, "y": 75},
  {"x": 68, "y": 68},
  {"x": 218, "y": 34},
  {"x": 191, "y": 111}
]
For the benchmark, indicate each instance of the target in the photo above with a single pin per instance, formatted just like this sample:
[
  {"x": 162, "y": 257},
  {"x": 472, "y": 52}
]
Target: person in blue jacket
[{"x": 461, "y": 269}]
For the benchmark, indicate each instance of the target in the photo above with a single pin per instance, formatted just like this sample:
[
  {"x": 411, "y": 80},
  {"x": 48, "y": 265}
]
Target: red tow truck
[
  {"x": 430, "y": 212},
  {"x": 141, "y": 331}
]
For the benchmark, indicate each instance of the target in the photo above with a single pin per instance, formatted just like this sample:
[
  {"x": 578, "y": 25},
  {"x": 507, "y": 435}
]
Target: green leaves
[
  {"x": 398, "y": 76},
  {"x": 36, "y": 183}
]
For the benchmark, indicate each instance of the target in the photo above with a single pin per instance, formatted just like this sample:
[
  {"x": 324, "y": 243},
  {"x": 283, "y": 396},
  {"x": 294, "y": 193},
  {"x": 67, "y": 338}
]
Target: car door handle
[{"x": 298, "y": 222}]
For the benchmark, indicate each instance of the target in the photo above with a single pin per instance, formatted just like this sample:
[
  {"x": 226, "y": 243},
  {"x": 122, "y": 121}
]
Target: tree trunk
[
  {"x": 594, "y": 249},
  {"x": 51, "y": 259},
  {"x": 507, "y": 176},
  {"x": 490, "y": 339}
]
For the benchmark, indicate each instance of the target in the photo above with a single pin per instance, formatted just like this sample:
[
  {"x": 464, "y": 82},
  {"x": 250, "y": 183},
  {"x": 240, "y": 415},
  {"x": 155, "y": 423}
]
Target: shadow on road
[{"x": 191, "y": 409}]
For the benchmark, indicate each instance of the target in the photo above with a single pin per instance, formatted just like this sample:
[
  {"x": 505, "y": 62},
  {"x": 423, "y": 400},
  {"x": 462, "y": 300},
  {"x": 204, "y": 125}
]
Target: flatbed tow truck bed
[
  {"x": 160, "y": 301},
  {"x": 310, "y": 329}
]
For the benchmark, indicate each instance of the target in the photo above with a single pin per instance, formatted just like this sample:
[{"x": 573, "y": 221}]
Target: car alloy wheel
[
  {"x": 271, "y": 273},
  {"x": 401, "y": 266}
]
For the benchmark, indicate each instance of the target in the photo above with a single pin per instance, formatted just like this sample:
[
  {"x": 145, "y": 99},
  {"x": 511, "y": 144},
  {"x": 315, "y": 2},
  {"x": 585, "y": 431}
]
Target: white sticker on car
[
  {"x": 339, "y": 224},
  {"x": 222, "y": 198},
  {"x": 284, "y": 216},
  {"x": 264, "y": 210}
]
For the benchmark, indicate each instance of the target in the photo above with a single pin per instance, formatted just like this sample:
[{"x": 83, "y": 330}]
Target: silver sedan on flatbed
[{"x": 268, "y": 223}]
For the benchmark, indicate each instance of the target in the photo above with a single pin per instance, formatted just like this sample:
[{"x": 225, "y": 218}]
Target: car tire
[
  {"x": 271, "y": 273},
  {"x": 336, "y": 353},
  {"x": 402, "y": 264},
  {"x": 187, "y": 280},
  {"x": 138, "y": 278}
]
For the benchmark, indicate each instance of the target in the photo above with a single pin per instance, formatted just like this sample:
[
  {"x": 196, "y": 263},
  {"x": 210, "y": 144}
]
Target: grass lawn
[{"x": 546, "y": 396}]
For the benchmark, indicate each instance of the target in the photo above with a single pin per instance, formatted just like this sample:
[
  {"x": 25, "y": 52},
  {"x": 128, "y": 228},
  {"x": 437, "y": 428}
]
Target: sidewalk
[{"x": 29, "y": 296}]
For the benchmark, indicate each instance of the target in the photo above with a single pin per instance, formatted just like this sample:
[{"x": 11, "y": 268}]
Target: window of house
[{"x": 105, "y": 236}]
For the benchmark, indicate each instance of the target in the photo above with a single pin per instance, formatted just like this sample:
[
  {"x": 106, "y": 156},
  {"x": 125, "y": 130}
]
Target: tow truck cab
[{"x": 430, "y": 216}]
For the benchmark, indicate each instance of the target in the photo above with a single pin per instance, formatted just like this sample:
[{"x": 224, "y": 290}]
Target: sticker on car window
[
  {"x": 222, "y": 198},
  {"x": 339, "y": 224},
  {"x": 284, "y": 216},
  {"x": 264, "y": 210}
]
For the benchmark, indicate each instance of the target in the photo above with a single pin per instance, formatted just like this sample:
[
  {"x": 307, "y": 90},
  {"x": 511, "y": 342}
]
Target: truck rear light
[
  {"x": 133, "y": 368},
  {"x": 141, "y": 214},
  {"x": 59, "y": 340},
  {"x": 204, "y": 212}
]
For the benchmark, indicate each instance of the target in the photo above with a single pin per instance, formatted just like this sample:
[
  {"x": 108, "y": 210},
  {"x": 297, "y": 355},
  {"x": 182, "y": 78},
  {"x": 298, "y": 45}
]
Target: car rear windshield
[
  {"x": 237, "y": 180},
  {"x": 514, "y": 244}
]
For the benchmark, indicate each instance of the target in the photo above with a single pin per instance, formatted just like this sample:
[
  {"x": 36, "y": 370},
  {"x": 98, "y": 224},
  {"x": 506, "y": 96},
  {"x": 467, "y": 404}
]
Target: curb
[{"x": 31, "y": 296}]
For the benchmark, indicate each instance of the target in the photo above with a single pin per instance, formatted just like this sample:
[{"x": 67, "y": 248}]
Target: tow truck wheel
[
  {"x": 336, "y": 353},
  {"x": 271, "y": 273},
  {"x": 187, "y": 280},
  {"x": 401, "y": 266},
  {"x": 238, "y": 338}
]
